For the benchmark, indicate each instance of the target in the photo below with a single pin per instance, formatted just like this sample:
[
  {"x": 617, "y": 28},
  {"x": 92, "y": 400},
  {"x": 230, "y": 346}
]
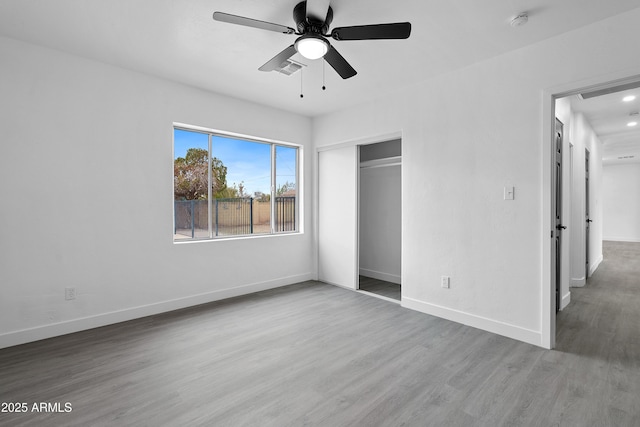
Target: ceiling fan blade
[
  {"x": 279, "y": 59},
  {"x": 339, "y": 64},
  {"x": 317, "y": 10},
  {"x": 397, "y": 30},
  {"x": 254, "y": 23}
]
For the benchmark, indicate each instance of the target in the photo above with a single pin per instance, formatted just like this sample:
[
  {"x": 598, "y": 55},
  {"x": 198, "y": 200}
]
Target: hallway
[{"x": 600, "y": 332}]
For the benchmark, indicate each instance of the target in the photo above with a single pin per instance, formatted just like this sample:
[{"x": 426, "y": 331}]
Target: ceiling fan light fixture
[
  {"x": 312, "y": 46},
  {"x": 312, "y": 27}
]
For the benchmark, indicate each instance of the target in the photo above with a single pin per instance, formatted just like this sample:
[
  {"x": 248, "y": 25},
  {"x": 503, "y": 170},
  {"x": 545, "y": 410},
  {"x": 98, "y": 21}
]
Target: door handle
[
  {"x": 561, "y": 227},
  {"x": 589, "y": 220}
]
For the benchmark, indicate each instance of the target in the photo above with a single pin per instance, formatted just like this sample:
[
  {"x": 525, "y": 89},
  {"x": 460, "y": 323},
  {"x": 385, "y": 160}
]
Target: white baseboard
[
  {"x": 578, "y": 283},
  {"x": 490, "y": 325},
  {"x": 393, "y": 278},
  {"x": 595, "y": 265},
  {"x": 622, "y": 239},
  {"x": 62, "y": 328},
  {"x": 565, "y": 301}
]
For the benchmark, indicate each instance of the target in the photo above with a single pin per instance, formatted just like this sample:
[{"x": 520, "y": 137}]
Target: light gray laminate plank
[{"x": 318, "y": 355}]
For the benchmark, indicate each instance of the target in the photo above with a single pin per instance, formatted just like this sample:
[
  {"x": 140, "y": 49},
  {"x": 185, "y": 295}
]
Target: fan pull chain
[
  {"x": 301, "y": 95},
  {"x": 323, "y": 86}
]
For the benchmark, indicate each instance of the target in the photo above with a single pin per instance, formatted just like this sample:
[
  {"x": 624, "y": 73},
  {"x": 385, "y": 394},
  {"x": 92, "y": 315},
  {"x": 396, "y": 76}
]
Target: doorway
[
  {"x": 380, "y": 219},
  {"x": 338, "y": 212},
  {"x": 592, "y": 114}
]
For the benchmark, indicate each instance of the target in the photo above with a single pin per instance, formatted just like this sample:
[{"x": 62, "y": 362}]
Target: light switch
[
  {"x": 508, "y": 193},
  {"x": 445, "y": 282}
]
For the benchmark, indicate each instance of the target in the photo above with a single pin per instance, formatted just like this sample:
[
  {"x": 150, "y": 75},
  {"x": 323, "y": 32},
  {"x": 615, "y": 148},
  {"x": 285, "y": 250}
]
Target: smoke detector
[{"x": 520, "y": 20}]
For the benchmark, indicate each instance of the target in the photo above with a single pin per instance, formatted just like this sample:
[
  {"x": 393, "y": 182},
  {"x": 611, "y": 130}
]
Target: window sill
[{"x": 238, "y": 237}]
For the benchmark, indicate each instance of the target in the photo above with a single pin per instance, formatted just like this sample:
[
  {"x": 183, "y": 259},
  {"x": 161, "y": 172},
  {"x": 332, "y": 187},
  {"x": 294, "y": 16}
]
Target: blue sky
[{"x": 246, "y": 161}]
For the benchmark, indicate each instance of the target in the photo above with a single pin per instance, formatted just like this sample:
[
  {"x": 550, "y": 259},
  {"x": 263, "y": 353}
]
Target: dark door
[
  {"x": 559, "y": 134},
  {"x": 586, "y": 212}
]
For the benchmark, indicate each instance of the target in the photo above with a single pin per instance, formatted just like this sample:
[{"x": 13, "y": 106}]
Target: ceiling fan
[{"x": 312, "y": 18}]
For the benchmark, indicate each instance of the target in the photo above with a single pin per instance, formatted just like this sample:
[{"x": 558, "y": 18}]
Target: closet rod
[{"x": 380, "y": 163}]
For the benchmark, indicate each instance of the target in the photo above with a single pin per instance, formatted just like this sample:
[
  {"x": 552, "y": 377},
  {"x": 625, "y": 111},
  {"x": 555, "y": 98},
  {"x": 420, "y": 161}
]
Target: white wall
[
  {"x": 380, "y": 222},
  {"x": 621, "y": 203},
  {"x": 465, "y": 136},
  {"x": 87, "y": 196}
]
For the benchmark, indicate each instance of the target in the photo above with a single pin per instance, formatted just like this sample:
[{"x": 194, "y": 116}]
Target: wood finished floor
[
  {"x": 318, "y": 355},
  {"x": 380, "y": 287}
]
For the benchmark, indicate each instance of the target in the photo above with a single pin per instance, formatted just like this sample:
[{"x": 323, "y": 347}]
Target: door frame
[
  {"x": 384, "y": 162},
  {"x": 344, "y": 144},
  {"x": 549, "y": 97}
]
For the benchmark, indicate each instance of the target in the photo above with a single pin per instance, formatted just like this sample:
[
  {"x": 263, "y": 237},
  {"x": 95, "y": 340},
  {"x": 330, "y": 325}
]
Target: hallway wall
[
  {"x": 621, "y": 190},
  {"x": 584, "y": 138}
]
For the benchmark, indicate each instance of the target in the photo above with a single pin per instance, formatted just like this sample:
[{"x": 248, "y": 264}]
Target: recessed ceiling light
[
  {"x": 629, "y": 98},
  {"x": 631, "y": 124}
]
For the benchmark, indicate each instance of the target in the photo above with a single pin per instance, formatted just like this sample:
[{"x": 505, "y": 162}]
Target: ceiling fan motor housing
[{"x": 310, "y": 25}]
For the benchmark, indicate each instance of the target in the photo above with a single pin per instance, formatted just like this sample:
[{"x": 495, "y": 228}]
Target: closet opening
[{"x": 380, "y": 219}]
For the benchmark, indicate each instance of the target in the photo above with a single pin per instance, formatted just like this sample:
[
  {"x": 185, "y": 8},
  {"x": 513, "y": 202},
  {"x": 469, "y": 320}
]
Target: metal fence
[
  {"x": 285, "y": 213},
  {"x": 237, "y": 216},
  {"x": 191, "y": 218}
]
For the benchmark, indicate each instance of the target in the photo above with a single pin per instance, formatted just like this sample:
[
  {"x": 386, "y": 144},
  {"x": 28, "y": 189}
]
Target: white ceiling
[
  {"x": 179, "y": 40},
  {"x": 608, "y": 116}
]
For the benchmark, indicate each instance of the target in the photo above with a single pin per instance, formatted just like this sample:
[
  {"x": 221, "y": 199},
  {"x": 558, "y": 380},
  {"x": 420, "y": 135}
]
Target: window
[
  {"x": 230, "y": 186},
  {"x": 285, "y": 188}
]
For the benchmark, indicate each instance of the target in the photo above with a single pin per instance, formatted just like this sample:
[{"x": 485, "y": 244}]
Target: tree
[
  {"x": 261, "y": 197},
  {"x": 285, "y": 187},
  {"x": 241, "y": 190},
  {"x": 191, "y": 175},
  {"x": 237, "y": 191},
  {"x": 227, "y": 193}
]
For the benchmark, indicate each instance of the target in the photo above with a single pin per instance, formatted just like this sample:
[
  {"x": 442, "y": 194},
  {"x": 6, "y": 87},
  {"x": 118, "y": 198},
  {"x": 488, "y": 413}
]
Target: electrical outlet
[
  {"x": 69, "y": 293},
  {"x": 509, "y": 193},
  {"x": 445, "y": 281}
]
